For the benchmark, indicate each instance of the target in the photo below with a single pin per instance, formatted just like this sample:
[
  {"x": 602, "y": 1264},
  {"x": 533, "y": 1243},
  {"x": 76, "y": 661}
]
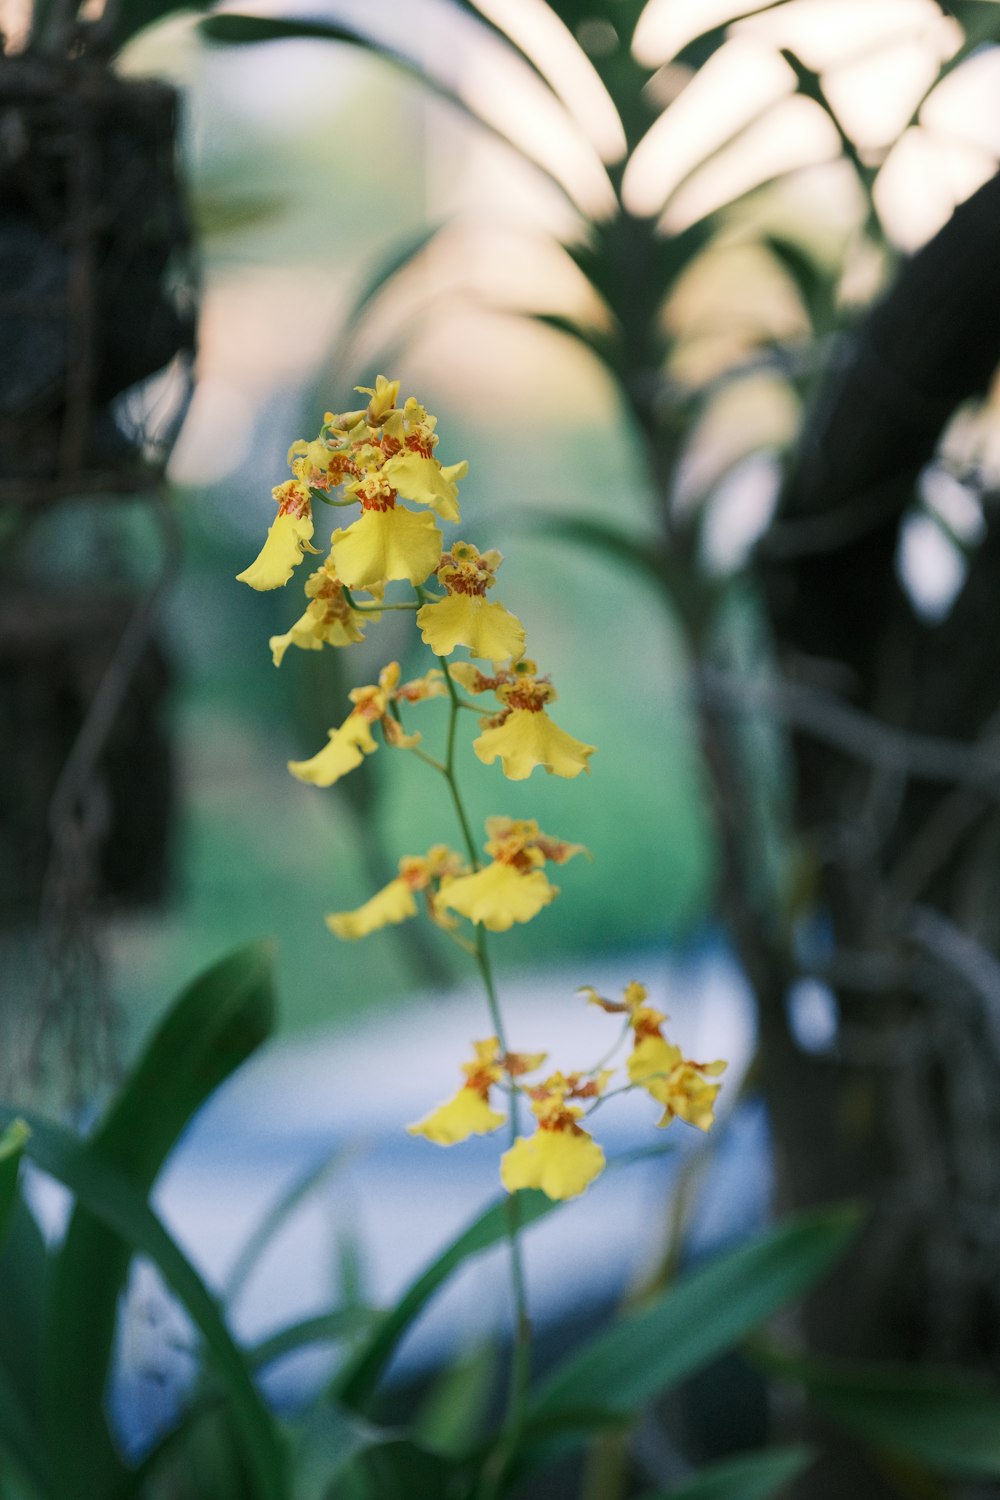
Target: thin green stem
[
  {"x": 372, "y": 609},
  {"x": 521, "y": 1360},
  {"x": 325, "y": 499}
]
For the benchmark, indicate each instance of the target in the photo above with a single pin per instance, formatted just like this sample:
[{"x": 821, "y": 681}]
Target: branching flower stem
[{"x": 521, "y": 1361}]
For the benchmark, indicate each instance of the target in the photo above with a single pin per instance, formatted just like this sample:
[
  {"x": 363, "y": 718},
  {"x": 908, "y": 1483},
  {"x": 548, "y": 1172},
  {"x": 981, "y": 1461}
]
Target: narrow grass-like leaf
[
  {"x": 452, "y": 1415},
  {"x": 752, "y": 1476},
  {"x": 12, "y": 1144},
  {"x": 24, "y": 1264},
  {"x": 275, "y": 1218},
  {"x": 111, "y": 1198},
  {"x": 356, "y": 1383},
  {"x": 214, "y": 1025},
  {"x": 325, "y": 1328},
  {"x": 946, "y": 1421},
  {"x": 697, "y": 1319}
]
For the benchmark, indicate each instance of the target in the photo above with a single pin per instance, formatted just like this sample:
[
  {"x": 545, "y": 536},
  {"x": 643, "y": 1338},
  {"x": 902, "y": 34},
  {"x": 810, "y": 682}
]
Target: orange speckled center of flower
[
  {"x": 292, "y": 499},
  {"x": 530, "y": 696},
  {"x": 421, "y": 442},
  {"x": 390, "y": 446},
  {"x": 375, "y": 494}
]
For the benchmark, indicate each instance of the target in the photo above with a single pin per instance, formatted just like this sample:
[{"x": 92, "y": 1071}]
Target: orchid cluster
[{"x": 376, "y": 458}]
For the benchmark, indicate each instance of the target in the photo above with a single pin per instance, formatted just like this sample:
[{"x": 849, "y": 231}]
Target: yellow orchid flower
[
  {"x": 560, "y": 1158},
  {"x": 348, "y": 744},
  {"x": 673, "y": 1080},
  {"x": 395, "y": 902},
  {"x": 466, "y": 617},
  {"x": 328, "y": 619},
  {"x": 469, "y": 1111},
  {"x": 522, "y": 735},
  {"x": 513, "y": 887},
  {"x": 289, "y": 536}
]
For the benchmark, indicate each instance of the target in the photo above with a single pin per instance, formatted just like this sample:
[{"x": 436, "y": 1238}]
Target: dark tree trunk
[{"x": 904, "y": 1111}]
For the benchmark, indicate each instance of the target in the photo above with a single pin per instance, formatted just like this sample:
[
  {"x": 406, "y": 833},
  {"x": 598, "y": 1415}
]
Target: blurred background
[{"x": 685, "y": 283}]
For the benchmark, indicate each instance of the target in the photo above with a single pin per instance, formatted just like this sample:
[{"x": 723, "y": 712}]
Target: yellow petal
[
  {"x": 651, "y": 1063},
  {"x": 386, "y": 544},
  {"x": 342, "y": 752},
  {"x": 691, "y": 1099},
  {"x": 489, "y": 630},
  {"x": 468, "y": 1113},
  {"x": 425, "y": 481},
  {"x": 314, "y": 629},
  {"x": 281, "y": 553},
  {"x": 527, "y": 739},
  {"x": 560, "y": 1162},
  {"x": 498, "y": 895},
  {"x": 393, "y": 903}
]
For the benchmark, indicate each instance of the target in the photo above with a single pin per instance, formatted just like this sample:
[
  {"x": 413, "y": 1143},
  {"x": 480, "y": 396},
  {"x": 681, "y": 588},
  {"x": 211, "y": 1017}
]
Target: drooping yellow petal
[
  {"x": 488, "y": 629},
  {"x": 425, "y": 481},
  {"x": 528, "y": 738},
  {"x": 342, "y": 753},
  {"x": 392, "y": 904},
  {"x": 383, "y": 545},
  {"x": 560, "y": 1162},
  {"x": 468, "y": 1113},
  {"x": 288, "y": 538},
  {"x": 499, "y": 895}
]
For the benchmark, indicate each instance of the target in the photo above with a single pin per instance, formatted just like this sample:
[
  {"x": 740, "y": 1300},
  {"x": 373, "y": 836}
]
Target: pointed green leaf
[
  {"x": 752, "y": 1476},
  {"x": 356, "y": 1383},
  {"x": 214, "y": 1025},
  {"x": 12, "y": 1144},
  {"x": 110, "y": 1197},
  {"x": 698, "y": 1318},
  {"x": 946, "y": 1421}
]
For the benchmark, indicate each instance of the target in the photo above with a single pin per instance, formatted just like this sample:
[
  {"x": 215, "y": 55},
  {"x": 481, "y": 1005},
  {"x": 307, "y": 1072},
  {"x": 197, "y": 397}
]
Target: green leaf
[
  {"x": 111, "y": 1198},
  {"x": 752, "y": 1476},
  {"x": 336, "y": 1452},
  {"x": 452, "y": 1415},
  {"x": 355, "y": 1384},
  {"x": 276, "y": 1217},
  {"x": 12, "y": 1144},
  {"x": 697, "y": 1319},
  {"x": 214, "y": 1025},
  {"x": 23, "y": 1277},
  {"x": 231, "y": 28},
  {"x": 325, "y": 1328},
  {"x": 948, "y": 1422}
]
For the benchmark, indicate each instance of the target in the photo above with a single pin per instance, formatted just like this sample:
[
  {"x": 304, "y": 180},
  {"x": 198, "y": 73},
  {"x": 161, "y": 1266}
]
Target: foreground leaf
[
  {"x": 213, "y": 1027},
  {"x": 356, "y": 1383},
  {"x": 12, "y": 1144},
  {"x": 948, "y": 1422},
  {"x": 698, "y": 1318},
  {"x": 752, "y": 1476},
  {"x": 112, "y": 1199}
]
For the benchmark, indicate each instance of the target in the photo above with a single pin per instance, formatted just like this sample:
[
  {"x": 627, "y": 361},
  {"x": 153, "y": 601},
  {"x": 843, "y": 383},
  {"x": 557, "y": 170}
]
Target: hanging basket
[{"x": 96, "y": 280}]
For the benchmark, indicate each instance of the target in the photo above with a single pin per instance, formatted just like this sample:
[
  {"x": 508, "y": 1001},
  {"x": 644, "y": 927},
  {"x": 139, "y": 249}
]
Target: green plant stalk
[{"x": 521, "y": 1360}]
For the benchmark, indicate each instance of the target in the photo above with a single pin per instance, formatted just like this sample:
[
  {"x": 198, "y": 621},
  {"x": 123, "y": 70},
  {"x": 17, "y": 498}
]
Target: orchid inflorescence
[{"x": 377, "y": 457}]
